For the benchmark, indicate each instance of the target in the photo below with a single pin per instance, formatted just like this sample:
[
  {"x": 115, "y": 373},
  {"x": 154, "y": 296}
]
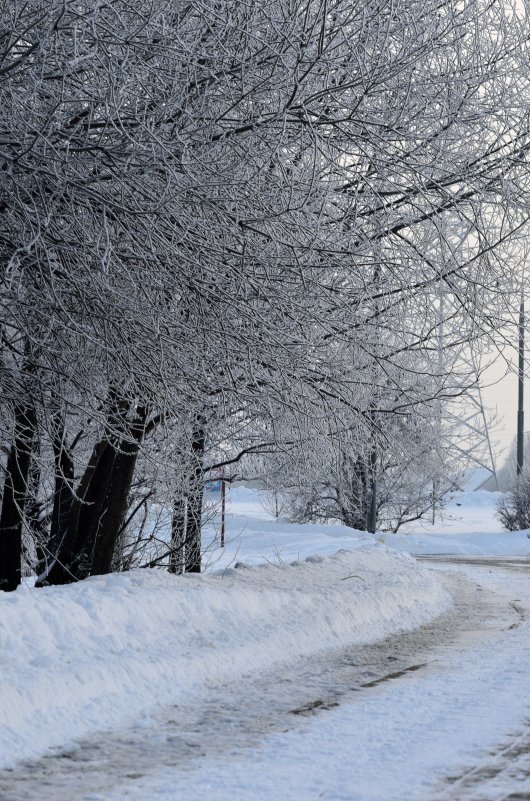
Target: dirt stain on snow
[
  {"x": 395, "y": 675},
  {"x": 314, "y": 706}
]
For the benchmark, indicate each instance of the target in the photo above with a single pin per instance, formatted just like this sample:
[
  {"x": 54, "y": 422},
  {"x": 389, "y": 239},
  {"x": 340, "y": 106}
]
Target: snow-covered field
[
  {"x": 467, "y": 525},
  {"x": 100, "y": 654}
]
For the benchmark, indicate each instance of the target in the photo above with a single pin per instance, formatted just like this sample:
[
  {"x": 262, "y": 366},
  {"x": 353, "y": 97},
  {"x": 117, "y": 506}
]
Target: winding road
[{"x": 219, "y": 737}]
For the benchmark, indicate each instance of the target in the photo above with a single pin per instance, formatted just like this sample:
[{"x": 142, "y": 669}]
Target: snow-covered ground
[
  {"x": 104, "y": 653},
  {"x": 467, "y": 525},
  {"x": 88, "y": 656},
  {"x": 420, "y": 737}
]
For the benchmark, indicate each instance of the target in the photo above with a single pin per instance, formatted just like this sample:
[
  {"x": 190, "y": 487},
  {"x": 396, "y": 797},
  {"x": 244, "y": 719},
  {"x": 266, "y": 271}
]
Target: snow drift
[{"x": 89, "y": 656}]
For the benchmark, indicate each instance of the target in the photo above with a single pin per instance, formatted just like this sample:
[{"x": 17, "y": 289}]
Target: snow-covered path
[
  {"x": 290, "y": 670},
  {"x": 410, "y": 717},
  {"x": 453, "y": 730}
]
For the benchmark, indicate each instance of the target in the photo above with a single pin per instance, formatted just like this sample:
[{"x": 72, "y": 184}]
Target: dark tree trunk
[
  {"x": 353, "y": 497},
  {"x": 193, "y": 533},
  {"x": 90, "y": 513},
  {"x": 178, "y": 535},
  {"x": 63, "y": 568},
  {"x": 98, "y": 508},
  {"x": 360, "y": 516},
  {"x": 34, "y": 512},
  {"x": 195, "y": 497},
  {"x": 116, "y": 498},
  {"x": 63, "y": 495},
  {"x": 14, "y": 497}
]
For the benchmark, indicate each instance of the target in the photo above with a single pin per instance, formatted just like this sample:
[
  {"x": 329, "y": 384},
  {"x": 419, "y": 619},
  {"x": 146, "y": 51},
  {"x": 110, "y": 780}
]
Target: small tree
[{"x": 513, "y": 508}]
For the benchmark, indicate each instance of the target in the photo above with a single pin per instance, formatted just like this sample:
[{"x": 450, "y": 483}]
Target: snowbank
[
  {"x": 467, "y": 526},
  {"x": 90, "y": 656}
]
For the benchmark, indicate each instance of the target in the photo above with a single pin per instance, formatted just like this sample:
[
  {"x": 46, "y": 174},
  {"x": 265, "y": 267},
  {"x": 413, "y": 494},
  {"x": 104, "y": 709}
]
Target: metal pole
[{"x": 520, "y": 399}]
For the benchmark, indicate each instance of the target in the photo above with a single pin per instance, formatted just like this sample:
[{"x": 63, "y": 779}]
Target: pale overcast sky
[{"x": 501, "y": 399}]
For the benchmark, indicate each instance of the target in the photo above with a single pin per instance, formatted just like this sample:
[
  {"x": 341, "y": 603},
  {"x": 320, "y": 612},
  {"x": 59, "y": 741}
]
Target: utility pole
[{"x": 520, "y": 399}]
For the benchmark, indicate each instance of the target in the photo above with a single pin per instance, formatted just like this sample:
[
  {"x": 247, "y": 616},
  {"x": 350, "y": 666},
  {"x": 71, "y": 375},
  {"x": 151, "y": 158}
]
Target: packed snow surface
[{"x": 88, "y": 656}]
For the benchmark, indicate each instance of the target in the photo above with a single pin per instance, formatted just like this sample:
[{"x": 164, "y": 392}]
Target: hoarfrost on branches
[{"x": 240, "y": 229}]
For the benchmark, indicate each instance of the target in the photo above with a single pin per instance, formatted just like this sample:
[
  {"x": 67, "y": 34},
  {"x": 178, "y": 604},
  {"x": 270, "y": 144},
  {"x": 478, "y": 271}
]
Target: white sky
[{"x": 499, "y": 394}]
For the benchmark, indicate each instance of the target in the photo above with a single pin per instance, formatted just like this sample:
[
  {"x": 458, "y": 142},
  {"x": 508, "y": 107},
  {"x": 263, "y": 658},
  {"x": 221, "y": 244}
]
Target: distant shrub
[{"x": 513, "y": 508}]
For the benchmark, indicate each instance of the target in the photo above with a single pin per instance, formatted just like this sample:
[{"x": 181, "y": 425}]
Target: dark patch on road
[
  {"x": 395, "y": 675},
  {"x": 314, "y": 706}
]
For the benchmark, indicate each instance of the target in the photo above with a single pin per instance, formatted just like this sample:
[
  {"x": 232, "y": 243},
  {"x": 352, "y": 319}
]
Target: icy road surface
[{"x": 439, "y": 713}]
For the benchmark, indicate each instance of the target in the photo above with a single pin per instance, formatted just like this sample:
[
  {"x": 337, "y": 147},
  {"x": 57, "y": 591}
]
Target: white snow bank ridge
[{"x": 89, "y": 656}]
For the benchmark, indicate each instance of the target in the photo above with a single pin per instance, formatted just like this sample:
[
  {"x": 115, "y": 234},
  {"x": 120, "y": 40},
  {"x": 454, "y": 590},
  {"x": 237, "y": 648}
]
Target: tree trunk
[
  {"x": 63, "y": 495},
  {"x": 98, "y": 508},
  {"x": 15, "y": 497},
  {"x": 91, "y": 511},
  {"x": 70, "y": 551},
  {"x": 116, "y": 498},
  {"x": 34, "y": 516},
  {"x": 178, "y": 535},
  {"x": 196, "y": 491},
  {"x": 352, "y": 494}
]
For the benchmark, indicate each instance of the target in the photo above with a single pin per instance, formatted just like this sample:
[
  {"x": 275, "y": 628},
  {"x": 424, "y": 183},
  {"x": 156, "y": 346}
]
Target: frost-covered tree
[{"x": 211, "y": 211}]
